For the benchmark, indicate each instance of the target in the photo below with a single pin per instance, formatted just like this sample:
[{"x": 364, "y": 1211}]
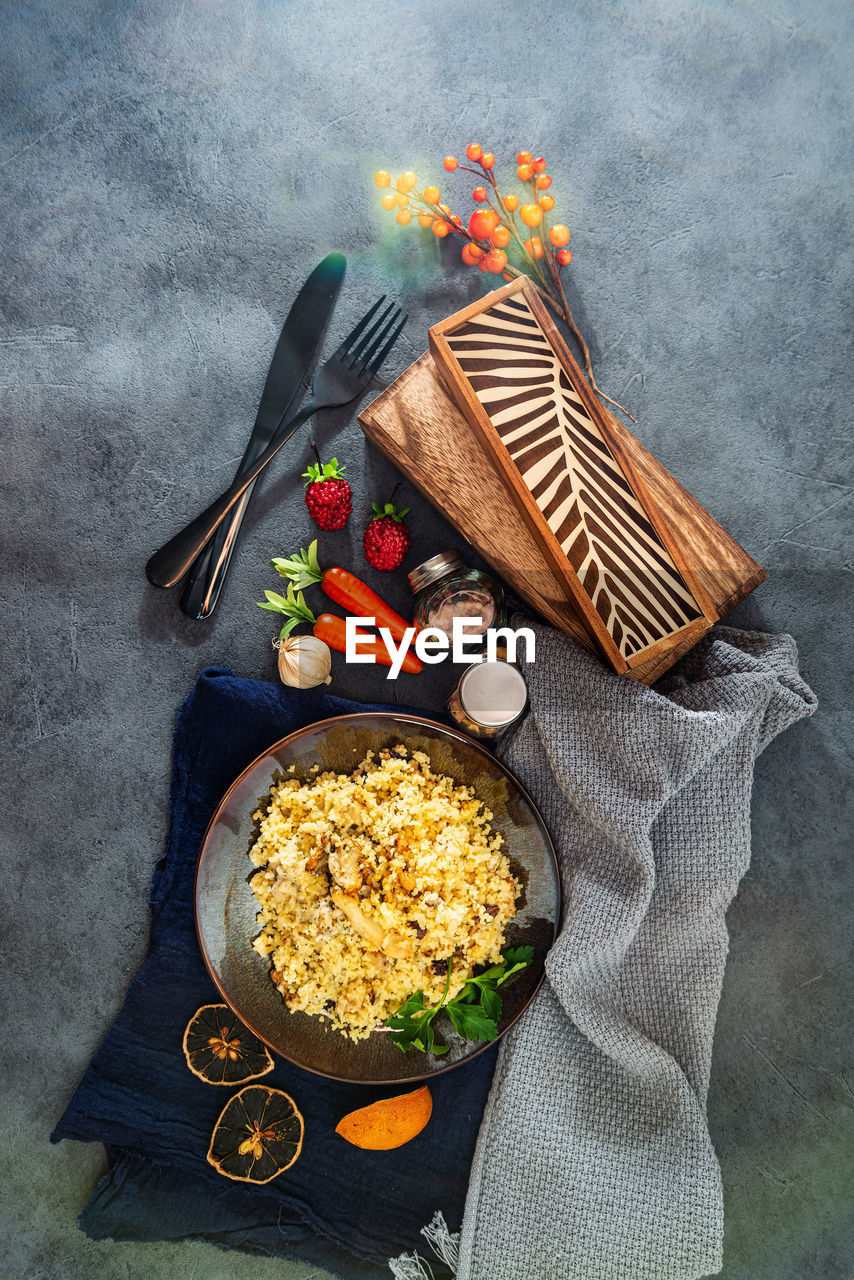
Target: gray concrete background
[{"x": 170, "y": 174}]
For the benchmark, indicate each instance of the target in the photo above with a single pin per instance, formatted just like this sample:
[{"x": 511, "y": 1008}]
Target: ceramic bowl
[{"x": 225, "y": 907}]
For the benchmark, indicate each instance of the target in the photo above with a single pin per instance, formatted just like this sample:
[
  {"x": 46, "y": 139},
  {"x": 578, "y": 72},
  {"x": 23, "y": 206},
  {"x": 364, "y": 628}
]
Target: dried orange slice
[
  {"x": 388, "y": 1124},
  {"x": 258, "y": 1135},
  {"x": 220, "y": 1050}
]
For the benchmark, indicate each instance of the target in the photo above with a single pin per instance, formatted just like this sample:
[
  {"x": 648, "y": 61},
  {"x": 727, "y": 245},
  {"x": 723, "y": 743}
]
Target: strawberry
[
  {"x": 386, "y": 539},
  {"x": 327, "y": 496}
]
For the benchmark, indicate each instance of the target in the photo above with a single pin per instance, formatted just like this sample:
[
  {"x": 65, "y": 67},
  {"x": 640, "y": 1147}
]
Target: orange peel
[{"x": 387, "y": 1124}]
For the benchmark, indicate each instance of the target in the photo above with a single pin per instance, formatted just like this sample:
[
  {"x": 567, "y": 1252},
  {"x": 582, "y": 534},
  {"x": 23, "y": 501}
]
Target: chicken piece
[
  {"x": 284, "y": 891},
  {"x": 344, "y": 866},
  {"x": 317, "y": 859},
  {"x": 397, "y": 947},
  {"x": 406, "y": 880},
  {"x": 389, "y": 943}
]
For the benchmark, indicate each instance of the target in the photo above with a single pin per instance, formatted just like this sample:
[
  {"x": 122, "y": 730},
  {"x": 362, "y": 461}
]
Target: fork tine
[
  {"x": 374, "y": 366},
  {"x": 353, "y": 335},
  {"x": 369, "y": 345},
  {"x": 357, "y": 352}
]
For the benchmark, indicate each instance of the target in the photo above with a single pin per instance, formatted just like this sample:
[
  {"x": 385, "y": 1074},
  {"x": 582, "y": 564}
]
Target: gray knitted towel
[{"x": 594, "y": 1161}]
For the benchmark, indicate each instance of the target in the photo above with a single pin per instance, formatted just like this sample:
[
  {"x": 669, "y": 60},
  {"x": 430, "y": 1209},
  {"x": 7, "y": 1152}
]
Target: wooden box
[{"x": 463, "y": 467}]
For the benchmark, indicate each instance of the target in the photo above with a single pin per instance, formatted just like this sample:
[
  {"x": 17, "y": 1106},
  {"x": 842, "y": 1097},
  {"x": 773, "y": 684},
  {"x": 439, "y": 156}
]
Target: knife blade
[{"x": 301, "y": 335}]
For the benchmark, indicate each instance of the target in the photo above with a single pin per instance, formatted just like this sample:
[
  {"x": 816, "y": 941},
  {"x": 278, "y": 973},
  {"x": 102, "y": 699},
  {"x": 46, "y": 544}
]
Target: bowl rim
[{"x": 406, "y": 718}]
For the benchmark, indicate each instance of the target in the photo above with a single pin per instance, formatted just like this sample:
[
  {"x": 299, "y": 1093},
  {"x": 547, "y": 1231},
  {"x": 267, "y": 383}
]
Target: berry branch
[{"x": 493, "y": 234}]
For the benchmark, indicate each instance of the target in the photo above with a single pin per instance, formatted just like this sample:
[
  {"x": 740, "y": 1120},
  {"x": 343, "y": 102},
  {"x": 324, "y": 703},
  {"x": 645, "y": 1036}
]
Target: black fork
[{"x": 344, "y": 376}]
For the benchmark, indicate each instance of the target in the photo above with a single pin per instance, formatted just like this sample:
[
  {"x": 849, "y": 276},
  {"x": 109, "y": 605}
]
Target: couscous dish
[{"x": 372, "y": 884}]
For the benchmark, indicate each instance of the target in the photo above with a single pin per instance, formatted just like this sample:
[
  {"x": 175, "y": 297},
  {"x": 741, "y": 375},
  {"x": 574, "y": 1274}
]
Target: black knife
[{"x": 301, "y": 335}]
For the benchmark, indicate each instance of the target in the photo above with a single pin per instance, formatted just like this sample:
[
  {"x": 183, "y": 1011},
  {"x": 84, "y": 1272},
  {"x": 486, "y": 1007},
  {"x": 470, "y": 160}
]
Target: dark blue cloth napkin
[{"x": 339, "y": 1208}]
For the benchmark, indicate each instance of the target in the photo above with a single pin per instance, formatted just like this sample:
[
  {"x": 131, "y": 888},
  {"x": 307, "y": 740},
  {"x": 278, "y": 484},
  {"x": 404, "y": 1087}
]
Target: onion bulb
[{"x": 304, "y": 661}]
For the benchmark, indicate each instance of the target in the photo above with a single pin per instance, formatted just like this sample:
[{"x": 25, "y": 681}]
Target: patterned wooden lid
[{"x": 567, "y": 470}]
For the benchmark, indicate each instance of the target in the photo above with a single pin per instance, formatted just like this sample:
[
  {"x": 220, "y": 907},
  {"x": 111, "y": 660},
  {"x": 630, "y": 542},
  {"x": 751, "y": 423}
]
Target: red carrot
[
  {"x": 341, "y": 586},
  {"x": 332, "y": 630},
  {"x": 357, "y": 597}
]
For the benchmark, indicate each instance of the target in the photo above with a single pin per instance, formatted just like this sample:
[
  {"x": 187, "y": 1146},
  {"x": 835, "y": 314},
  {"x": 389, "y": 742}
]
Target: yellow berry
[
  {"x": 403, "y": 216},
  {"x": 401, "y": 200},
  {"x": 547, "y": 203},
  {"x": 511, "y": 203},
  {"x": 425, "y": 219},
  {"x": 531, "y": 215},
  {"x": 406, "y": 181},
  {"x": 388, "y": 201},
  {"x": 382, "y": 179},
  {"x": 431, "y": 195}
]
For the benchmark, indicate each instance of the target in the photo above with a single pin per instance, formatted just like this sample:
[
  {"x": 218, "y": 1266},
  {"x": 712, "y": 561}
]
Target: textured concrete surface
[{"x": 170, "y": 174}]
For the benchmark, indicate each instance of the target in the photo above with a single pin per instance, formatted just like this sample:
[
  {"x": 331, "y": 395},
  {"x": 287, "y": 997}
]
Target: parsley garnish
[{"x": 474, "y": 1010}]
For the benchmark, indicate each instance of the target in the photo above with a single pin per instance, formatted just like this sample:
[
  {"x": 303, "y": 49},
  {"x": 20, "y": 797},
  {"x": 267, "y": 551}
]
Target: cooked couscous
[{"x": 371, "y": 882}]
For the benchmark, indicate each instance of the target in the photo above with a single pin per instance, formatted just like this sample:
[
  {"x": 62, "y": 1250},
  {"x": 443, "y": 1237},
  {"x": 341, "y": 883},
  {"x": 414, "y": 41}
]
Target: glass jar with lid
[
  {"x": 490, "y": 698},
  {"x": 446, "y": 588}
]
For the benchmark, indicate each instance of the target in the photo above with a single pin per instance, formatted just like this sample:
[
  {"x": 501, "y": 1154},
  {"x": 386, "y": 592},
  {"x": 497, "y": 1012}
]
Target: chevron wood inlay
[{"x": 563, "y": 459}]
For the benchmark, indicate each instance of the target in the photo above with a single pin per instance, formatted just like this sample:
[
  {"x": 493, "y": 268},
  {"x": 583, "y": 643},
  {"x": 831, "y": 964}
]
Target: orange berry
[
  {"x": 524, "y": 157},
  {"x": 479, "y": 194},
  {"x": 444, "y": 209},
  {"x": 431, "y": 195},
  {"x": 496, "y": 261},
  {"x": 511, "y": 203},
  {"x": 534, "y": 245},
  {"x": 559, "y": 235},
  {"x": 524, "y": 172},
  {"x": 547, "y": 203},
  {"x": 457, "y": 220},
  {"x": 401, "y": 200},
  {"x": 543, "y": 182},
  {"x": 382, "y": 179},
  {"x": 425, "y": 219},
  {"x": 450, "y": 163},
  {"x": 474, "y": 151},
  {"x": 564, "y": 257},
  {"x": 404, "y": 217},
  {"x": 471, "y": 254},
  {"x": 388, "y": 201},
  {"x": 538, "y": 164},
  {"x": 500, "y": 237},
  {"x": 481, "y": 264},
  {"x": 406, "y": 181},
  {"x": 441, "y": 229},
  {"x": 487, "y": 160},
  {"x": 531, "y": 215},
  {"x": 482, "y": 223}
]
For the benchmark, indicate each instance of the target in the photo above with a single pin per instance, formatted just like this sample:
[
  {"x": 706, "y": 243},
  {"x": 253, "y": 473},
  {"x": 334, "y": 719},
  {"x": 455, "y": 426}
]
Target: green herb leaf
[
  {"x": 292, "y": 605},
  {"x": 471, "y": 1021},
  {"x": 302, "y": 569},
  {"x": 516, "y": 958},
  {"x": 490, "y": 1002},
  {"x": 475, "y": 1010}
]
